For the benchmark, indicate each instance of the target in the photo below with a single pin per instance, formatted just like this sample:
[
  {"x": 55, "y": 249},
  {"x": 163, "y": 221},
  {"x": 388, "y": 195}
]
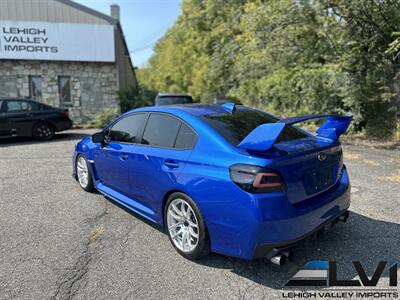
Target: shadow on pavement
[
  {"x": 59, "y": 137},
  {"x": 137, "y": 216}
]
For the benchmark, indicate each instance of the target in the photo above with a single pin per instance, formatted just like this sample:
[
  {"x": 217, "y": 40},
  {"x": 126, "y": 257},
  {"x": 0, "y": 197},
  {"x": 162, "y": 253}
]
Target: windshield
[
  {"x": 173, "y": 100},
  {"x": 235, "y": 127}
]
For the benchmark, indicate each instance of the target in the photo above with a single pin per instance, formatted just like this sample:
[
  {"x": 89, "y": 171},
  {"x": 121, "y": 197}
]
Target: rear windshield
[
  {"x": 46, "y": 107},
  {"x": 173, "y": 100},
  {"x": 235, "y": 127}
]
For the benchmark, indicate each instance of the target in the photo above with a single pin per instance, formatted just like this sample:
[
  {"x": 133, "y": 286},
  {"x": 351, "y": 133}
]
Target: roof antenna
[{"x": 230, "y": 107}]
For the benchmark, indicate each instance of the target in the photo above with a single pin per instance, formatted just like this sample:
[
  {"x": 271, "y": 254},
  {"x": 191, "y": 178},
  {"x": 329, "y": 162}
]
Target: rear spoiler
[{"x": 263, "y": 137}]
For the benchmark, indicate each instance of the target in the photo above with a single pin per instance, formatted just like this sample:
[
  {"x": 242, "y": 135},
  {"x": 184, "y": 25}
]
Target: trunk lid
[{"x": 311, "y": 166}]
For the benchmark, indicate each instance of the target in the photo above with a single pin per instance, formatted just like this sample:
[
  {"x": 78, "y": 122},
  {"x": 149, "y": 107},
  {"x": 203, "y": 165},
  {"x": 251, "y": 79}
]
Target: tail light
[
  {"x": 255, "y": 179},
  {"x": 65, "y": 114},
  {"x": 340, "y": 166}
]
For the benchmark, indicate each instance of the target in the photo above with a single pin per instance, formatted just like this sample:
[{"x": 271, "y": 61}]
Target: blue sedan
[{"x": 223, "y": 178}]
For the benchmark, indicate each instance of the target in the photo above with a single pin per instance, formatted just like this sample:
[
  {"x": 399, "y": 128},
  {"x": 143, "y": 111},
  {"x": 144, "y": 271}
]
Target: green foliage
[
  {"x": 129, "y": 99},
  {"x": 101, "y": 119},
  {"x": 289, "y": 57},
  {"x": 134, "y": 98}
]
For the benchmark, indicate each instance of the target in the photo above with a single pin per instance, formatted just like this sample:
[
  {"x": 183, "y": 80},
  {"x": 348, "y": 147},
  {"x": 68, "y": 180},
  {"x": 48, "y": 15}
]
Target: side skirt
[{"x": 127, "y": 202}]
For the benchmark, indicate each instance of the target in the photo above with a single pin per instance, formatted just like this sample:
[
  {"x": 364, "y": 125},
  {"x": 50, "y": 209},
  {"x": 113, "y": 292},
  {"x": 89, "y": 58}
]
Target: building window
[
  {"x": 35, "y": 87},
  {"x": 64, "y": 88}
]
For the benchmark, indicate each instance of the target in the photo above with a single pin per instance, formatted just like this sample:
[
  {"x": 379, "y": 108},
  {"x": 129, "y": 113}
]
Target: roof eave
[{"x": 90, "y": 11}]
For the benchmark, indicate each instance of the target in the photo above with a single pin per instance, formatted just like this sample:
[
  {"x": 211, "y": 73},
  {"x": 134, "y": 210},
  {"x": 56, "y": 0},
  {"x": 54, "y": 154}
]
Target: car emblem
[{"x": 322, "y": 156}]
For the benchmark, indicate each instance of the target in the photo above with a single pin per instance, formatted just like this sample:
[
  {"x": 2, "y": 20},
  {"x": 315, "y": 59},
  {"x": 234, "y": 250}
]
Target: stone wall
[{"x": 94, "y": 86}]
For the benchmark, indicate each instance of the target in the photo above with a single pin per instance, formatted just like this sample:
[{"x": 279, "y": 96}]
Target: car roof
[
  {"x": 172, "y": 95},
  {"x": 192, "y": 109}
]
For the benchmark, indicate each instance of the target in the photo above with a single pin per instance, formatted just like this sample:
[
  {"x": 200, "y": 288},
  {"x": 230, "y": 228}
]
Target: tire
[
  {"x": 177, "y": 215},
  {"x": 43, "y": 131},
  {"x": 83, "y": 174}
]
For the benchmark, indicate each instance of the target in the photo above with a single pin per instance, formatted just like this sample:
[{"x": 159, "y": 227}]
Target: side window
[
  {"x": 45, "y": 107},
  {"x": 186, "y": 138},
  {"x": 127, "y": 129},
  {"x": 33, "y": 106},
  {"x": 161, "y": 130},
  {"x": 21, "y": 106},
  {"x": 16, "y": 106},
  {"x": 13, "y": 106}
]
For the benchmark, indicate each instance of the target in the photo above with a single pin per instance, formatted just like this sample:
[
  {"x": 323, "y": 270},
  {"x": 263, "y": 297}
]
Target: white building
[{"x": 64, "y": 54}]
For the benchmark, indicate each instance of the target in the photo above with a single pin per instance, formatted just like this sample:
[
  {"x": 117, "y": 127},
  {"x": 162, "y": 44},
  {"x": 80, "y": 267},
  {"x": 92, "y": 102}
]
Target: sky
[{"x": 143, "y": 22}]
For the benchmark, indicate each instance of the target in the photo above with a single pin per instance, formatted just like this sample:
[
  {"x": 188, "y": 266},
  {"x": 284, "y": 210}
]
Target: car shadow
[
  {"x": 134, "y": 214},
  {"x": 361, "y": 238},
  {"x": 58, "y": 137}
]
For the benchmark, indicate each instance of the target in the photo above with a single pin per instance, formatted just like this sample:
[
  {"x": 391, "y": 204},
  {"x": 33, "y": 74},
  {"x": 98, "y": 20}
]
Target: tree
[{"x": 291, "y": 56}]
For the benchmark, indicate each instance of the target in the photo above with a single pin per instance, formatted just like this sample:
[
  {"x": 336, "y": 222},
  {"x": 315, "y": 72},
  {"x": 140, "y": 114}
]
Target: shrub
[
  {"x": 101, "y": 119},
  {"x": 130, "y": 98}
]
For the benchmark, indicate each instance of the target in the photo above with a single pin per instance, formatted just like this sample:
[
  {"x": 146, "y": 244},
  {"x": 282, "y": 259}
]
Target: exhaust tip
[
  {"x": 288, "y": 254},
  {"x": 279, "y": 259},
  {"x": 343, "y": 217}
]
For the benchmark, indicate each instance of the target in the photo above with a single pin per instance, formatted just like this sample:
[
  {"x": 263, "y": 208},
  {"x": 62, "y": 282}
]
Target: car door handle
[
  {"x": 171, "y": 164},
  {"x": 123, "y": 156}
]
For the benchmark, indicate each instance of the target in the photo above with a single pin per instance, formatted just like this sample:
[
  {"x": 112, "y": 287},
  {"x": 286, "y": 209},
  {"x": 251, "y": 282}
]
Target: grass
[
  {"x": 374, "y": 142},
  {"x": 370, "y": 162},
  {"x": 96, "y": 233},
  {"x": 351, "y": 156},
  {"x": 355, "y": 156},
  {"x": 392, "y": 178},
  {"x": 361, "y": 138}
]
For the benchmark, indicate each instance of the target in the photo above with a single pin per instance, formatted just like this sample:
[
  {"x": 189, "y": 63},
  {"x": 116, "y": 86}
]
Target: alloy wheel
[
  {"x": 183, "y": 226},
  {"x": 82, "y": 172},
  {"x": 44, "y": 131}
]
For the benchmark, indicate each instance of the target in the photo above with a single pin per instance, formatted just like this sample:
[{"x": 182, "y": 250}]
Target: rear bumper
[
  {"x": 268, "y": 250},
  {"x": 63, "y": 125},
  {"x": 271, "y": 221}
]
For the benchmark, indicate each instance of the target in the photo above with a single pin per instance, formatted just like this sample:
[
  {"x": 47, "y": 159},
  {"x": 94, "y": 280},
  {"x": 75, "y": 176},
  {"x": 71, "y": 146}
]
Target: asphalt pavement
[{"x": 59, "y": 242}]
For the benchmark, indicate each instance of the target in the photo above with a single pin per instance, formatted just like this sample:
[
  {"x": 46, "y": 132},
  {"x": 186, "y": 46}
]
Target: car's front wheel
[
  {"x": 83, "y": 174},
  {"x": 185, "y": 226}
]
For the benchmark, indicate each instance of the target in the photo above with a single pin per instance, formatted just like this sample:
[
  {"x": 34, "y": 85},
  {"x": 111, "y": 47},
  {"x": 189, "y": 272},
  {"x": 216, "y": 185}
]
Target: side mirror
[{"x": 98, "y": 137}]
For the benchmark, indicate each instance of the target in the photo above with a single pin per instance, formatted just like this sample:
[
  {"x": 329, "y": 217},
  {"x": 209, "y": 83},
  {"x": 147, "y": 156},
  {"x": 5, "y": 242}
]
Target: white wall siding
[{"x": 45, "y": 10}]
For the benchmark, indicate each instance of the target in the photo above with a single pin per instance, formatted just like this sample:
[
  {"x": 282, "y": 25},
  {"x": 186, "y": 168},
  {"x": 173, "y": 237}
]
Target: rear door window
[
  {"x": 236, "y": 126},
  {"x": 186, "y": 138},
  {"x": 161, "y": 131},
  {"x": 33, "y": 106},
  {"x": 45, "y": 107},
  {"x": 127, "y": 129}
]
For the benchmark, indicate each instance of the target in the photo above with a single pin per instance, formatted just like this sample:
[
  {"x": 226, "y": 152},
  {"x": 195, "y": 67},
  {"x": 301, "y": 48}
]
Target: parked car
[
  {"x": 223, "y": 100},
  {"x": 28, "y": 118},
  {"x": 225, "y": 178},
  {"x": 170, "y": 98}
]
